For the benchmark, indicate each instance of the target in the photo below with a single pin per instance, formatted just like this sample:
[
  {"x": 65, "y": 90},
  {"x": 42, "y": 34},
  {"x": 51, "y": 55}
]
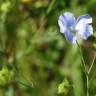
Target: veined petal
[
  {"x": 83, "y": 27},
  {"x": 70, "y": 37},
  {"x": 87, "y": 19},
  {"x": 69, "y": 18},
  {"x": 88, "y": 32},
  {"x": 84, "y": 31},
  {"x": 62, "y": 25},
  {"x": 66, "y": 21}
]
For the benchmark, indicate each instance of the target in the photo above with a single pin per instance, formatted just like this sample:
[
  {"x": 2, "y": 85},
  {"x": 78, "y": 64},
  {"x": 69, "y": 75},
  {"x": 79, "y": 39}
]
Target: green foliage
[
  {"x": 5, "y": 7},
  {"x": 64, "y": 87},
  {"x": 6, "y": 76},
  {"x": 41, "y": 58}
]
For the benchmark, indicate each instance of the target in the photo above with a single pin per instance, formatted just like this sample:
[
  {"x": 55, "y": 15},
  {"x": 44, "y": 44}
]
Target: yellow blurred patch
[{"x": 26, "y": 1}]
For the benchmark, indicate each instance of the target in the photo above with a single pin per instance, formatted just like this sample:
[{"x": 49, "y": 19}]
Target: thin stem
[
  {"x": 92, "y": 64},
  {"x": 85, "y": 71},
  {"x": 50, "y": 7},
  {"x": 87, "y": 75},
  {"x": 84, "y": 65},
  {"x": 87, "y": 80}
]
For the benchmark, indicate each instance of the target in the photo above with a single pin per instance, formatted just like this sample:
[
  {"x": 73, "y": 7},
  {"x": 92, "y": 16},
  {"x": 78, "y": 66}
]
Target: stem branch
[{"x": 92, "y": 64}]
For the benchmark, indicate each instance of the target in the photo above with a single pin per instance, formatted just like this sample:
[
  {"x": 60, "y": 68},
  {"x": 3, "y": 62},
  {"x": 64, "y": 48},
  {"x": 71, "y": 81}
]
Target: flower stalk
[
  {"x": 83, "y": 28},
  {"x": 85, "y": 71}
]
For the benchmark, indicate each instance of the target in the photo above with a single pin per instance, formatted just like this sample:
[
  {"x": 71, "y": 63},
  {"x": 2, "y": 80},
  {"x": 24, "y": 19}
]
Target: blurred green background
[{"x": 35, "y": 58}]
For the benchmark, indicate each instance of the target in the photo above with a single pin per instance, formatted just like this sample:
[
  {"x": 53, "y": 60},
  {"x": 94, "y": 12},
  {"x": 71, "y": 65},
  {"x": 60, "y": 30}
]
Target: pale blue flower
[{"x": 75, "y": 29}]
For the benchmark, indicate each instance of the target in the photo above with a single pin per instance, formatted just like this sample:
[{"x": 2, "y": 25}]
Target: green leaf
[{"x": 63, "y": 88}]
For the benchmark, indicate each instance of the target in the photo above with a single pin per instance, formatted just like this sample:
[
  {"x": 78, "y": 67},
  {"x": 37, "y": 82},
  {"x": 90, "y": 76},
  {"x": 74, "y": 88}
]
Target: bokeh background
[{"x": 35, "y": 58}]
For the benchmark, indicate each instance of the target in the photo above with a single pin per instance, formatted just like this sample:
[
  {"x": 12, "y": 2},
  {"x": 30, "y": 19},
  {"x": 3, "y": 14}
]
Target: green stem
[
  {"x": 92, "y": 64},
  {"x": 87, "y": 80},
  {"x": 50, "y": 6},
  {"x": 83, "y": 62},
  {"x": 86, "y": 73}
]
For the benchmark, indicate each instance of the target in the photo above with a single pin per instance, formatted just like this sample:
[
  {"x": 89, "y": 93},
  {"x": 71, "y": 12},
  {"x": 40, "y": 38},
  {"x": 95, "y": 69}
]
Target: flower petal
[
  {"x": 62, "y": 24},
  {"x": 88, "y": 32},
  {"x": 84, "y": 31},
  {"x": 70, "y": 37},
  {"x": 66, "y": 21},
  {"x": 83, "y": 27},
  {"x": 69, "y": 18},
  {"x": 87, "y": 19}
]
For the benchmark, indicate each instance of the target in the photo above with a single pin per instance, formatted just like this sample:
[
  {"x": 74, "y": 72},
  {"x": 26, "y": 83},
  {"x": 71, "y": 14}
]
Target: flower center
[{"x": 72, "y": 28}]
